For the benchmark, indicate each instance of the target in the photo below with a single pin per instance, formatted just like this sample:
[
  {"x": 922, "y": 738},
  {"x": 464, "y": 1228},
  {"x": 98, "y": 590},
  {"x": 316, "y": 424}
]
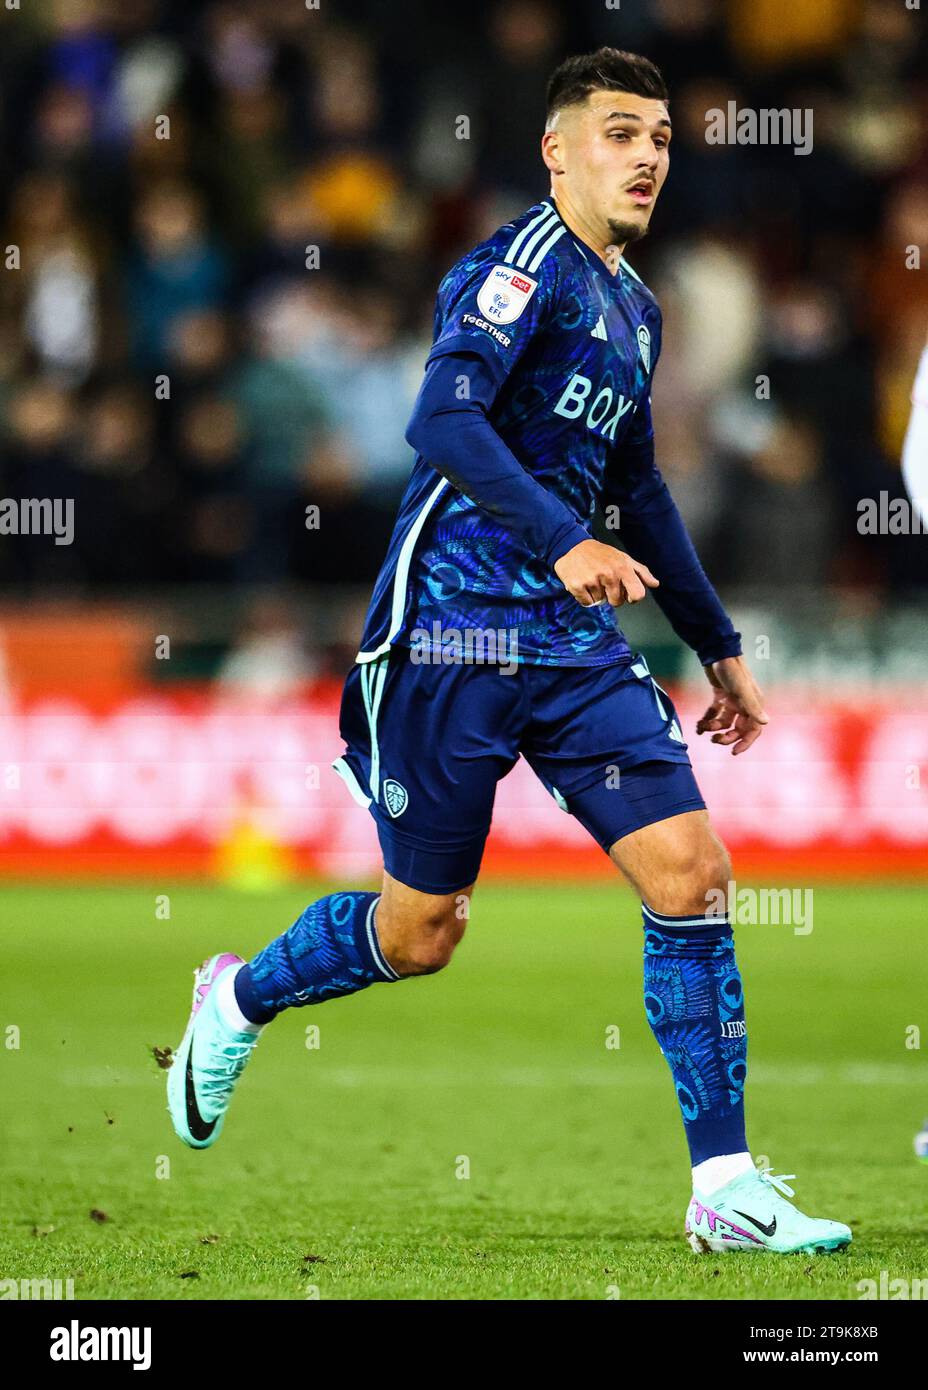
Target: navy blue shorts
[{"x": 427, "y": 743}]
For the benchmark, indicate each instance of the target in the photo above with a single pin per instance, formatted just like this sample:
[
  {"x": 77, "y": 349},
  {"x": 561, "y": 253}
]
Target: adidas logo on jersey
[{"x": 600, "y": 330}]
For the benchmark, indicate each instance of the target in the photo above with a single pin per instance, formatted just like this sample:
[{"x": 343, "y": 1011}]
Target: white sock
[
  {"x": 227, "y": 1004},
  {"x": 714, "y": 1173}
]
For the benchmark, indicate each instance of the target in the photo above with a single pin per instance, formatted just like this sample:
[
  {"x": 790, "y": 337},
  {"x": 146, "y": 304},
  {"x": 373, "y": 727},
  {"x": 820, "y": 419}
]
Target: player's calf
[
  {"x": 692, "y": 987},
  {"x": 695, "y": 1005},
  {"x": 340, "y": 944}
]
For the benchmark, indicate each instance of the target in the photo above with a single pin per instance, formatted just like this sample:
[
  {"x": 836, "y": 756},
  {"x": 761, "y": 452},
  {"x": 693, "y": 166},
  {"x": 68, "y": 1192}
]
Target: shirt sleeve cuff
[
  {"x": 718, "y": 648},
  {"x": 564, "y": 541}
]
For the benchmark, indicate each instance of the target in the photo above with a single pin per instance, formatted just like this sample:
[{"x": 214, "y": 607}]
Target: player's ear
[{"x": 551, "y": 149}]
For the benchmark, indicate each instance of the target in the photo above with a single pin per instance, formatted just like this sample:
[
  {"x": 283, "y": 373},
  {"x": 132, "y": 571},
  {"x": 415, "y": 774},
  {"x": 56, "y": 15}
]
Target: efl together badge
[{"x": 504, "y": 294}]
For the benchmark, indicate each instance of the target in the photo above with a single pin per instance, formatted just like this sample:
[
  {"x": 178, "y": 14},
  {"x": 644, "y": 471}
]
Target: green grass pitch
[{"x": 340, "y": 1173}]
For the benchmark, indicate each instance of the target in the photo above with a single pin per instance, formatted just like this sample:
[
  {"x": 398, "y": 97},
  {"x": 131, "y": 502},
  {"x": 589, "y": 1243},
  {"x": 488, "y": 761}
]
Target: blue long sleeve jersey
[{"x": 535, "y": 407}]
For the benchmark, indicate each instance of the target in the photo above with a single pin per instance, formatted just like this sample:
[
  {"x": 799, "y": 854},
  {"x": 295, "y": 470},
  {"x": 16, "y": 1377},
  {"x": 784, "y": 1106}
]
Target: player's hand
[
  {"x": 737, "y": 710},
  {"x": 595, "y": 573}
]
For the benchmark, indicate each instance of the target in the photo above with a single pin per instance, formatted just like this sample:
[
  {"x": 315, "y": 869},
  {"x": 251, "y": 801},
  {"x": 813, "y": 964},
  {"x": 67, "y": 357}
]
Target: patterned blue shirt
[{"x": 570, "y": 350}]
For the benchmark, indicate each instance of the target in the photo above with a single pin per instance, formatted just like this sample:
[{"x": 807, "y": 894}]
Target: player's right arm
[
  {"x": 596, "y": 573},
  {"x": 451, "y": 428}
]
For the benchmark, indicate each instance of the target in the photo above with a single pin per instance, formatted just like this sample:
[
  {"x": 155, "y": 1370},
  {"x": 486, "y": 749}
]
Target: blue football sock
[
  {"x": 331, "y": 950},
  {"x": 695, "y": 1006}
]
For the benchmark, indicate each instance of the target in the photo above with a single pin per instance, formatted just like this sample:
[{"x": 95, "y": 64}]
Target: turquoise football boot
[
  {"x": 921, "y": 1144},
  {"x": 208, "y": 1062},
  {"x": 751, "y": 1213}
]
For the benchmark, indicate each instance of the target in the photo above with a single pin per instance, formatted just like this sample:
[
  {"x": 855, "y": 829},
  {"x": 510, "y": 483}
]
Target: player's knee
[
  {"x": 708, "y": 876},
  {"x": 426, "y": 952},
  {"x": 425, "y": 944},
  {"x": 716, "y": 871},
  {"x": 703, "y": 871}
]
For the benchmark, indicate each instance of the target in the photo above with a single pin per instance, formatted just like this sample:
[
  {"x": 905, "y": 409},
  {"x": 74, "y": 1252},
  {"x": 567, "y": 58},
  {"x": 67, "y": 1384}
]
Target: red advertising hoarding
[{"x": 172, "y": 784}]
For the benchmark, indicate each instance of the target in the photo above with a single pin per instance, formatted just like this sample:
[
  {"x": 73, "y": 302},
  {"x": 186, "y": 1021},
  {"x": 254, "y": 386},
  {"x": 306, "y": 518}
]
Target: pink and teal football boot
[
  {"x": 751, "y": 1213},
  {"x": 208, "y": 1062}
]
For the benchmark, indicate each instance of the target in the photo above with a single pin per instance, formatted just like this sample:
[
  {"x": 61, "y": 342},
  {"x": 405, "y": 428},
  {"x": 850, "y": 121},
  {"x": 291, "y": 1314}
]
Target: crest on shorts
[
  {"x": 396, "y": 796},
  {"x": 644, "y": 346}
]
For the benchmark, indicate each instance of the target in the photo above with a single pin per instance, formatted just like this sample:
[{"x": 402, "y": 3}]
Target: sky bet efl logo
[
  {"x": 601, "y": 416},
  {"x": 504, "y": 294}
]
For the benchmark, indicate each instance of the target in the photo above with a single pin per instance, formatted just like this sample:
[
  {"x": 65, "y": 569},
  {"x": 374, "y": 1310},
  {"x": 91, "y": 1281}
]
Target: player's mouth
[{"x": 642, "y": 192}]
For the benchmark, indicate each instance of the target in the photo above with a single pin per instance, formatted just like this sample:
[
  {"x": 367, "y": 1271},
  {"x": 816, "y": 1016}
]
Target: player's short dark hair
[{"x": 606, "y": 70}]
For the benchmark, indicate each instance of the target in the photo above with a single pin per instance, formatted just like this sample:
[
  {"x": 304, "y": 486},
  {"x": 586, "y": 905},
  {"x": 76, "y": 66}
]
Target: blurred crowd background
[{"x": 143, "y": 258}]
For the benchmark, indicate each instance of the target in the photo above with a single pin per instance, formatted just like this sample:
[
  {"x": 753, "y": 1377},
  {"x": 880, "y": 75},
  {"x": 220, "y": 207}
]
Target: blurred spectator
[
  {"x": 59, "y": 288},
  {"x": 366, "y": 346},
  {"x": 41, "y": 434},
  {"x": 777, "y": 524},
  {"x": 270, "y": 659},
  {"x": 174, "y": 269},
  {"x": 523, "y": 49},
  {"x": 273, "y": 254}
]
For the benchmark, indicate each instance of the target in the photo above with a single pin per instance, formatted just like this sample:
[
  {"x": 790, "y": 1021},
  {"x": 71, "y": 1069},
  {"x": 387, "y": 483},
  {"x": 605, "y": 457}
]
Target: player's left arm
[{"x": 652, "y": 529}]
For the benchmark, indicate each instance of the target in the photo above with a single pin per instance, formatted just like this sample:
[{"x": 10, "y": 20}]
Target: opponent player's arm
[
  {"x": 915, "y": 449},
  {"x": 451, "y": 429}
]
